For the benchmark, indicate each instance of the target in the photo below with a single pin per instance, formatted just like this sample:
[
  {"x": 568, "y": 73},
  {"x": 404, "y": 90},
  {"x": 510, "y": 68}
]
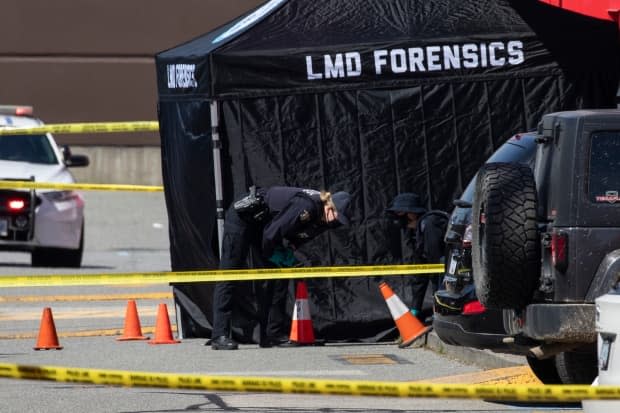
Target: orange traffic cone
[
  {"x": 48, "y": 339},
  {"x": 132, "y": 330},
  {"x": 163, "y": 331},
  {"x": 408, "y": 325},
  {"x": 302, "y": 332}
]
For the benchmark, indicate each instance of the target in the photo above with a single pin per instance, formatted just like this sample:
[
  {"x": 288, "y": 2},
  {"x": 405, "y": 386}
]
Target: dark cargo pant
[{"x": 239, "y": 237}]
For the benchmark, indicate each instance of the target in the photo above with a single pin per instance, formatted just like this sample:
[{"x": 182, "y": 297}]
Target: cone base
[
  {"x": 419, "y": 334},
  {"x": 129, "y": 338},
  {"x": 48, "y": 348},
  {"x": 164, "y": 342},
  {"x": 293, "y": 343}
]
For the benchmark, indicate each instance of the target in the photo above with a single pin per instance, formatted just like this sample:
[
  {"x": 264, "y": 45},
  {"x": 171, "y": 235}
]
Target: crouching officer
[
  {"x": 269, "y": 221},
  {"x": 424, "y": 233}
]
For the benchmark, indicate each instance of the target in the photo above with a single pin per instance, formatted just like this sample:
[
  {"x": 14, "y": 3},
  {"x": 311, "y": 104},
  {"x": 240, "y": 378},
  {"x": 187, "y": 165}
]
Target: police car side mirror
[{"x": 71, "y": 160}]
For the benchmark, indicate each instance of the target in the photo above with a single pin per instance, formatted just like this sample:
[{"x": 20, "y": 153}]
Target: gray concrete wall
[
  {"x": 131, "y": 165},
  {"x": 93, "y": 61}
]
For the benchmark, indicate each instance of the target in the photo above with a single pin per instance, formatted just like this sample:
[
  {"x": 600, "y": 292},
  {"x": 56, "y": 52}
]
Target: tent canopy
[
  {"x": 288, "y": 46},
  {"x": 375, "y": 98}
]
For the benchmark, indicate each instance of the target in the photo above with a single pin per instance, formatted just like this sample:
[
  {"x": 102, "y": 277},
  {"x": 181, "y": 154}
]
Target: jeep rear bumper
[{"x": 566, "y": 323}]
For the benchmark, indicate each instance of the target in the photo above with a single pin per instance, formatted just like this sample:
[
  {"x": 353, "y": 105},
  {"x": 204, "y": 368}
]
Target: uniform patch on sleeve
[{"x": 304, "y": 216}]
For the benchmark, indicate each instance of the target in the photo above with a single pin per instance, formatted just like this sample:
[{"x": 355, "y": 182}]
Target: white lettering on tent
[
  {"x": 380, "y": 60},
  {"x": 172, "y": 80},
  {"x": 310, "y": 72},
  {"x": 483, "y": 55},
  {"x": 398, "y": 60},
  {"x": 470, "y": 56},
  {"x": 493, "y": 59},
  {"x": 354, "y": 64},
  {"x": 417, "y": 59},
  {"x": 340, "y": 65},
  {"x": 515, "y": 52},
  {"x": 432, "y": 58},
  {"x": 181, "y": 76},
  {"x": 334, "y": 68},
  {"x": 451, "y": 58}
]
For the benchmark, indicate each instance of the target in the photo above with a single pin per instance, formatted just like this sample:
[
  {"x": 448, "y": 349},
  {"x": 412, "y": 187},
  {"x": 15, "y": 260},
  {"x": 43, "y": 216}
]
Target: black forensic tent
[{"x": 372, "y": 97}]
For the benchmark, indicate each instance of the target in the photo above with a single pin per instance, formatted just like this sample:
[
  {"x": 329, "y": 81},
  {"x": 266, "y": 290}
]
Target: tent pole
[{"x": 217, "y": 174}]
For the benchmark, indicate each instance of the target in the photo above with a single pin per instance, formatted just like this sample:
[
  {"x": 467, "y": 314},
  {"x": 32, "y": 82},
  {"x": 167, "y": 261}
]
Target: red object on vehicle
[
  {"x": 473, "y": 307},
  {"x": 600, "y": 9},
  {"x": 16, "y": 204},
  {"x": 559, "y": 250}
]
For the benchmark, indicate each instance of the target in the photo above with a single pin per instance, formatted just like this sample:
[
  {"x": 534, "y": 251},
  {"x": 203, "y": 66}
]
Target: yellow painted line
[
  {"x": 74, "y": 314},
  {"x": 85, "y": 127},
  {"x": 90, "y": 297},
  {"x": 81, "y": 333},
  {"x": 78, "y": 186},
  {"x": 48, "y": 280},
  {"x": 508, "y": 375},
  {"x": 554, "y": 393}
]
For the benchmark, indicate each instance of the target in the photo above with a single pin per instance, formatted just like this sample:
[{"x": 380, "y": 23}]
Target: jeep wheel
[
  {"x": 505, "y": 247},
  {"x": 579, "y": 366},
  {"x": 545, "y": 370}
]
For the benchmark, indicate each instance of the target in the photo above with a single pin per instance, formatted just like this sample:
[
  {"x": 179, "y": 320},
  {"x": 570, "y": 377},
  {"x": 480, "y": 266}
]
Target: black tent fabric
[{"x": 372, "y": 97}]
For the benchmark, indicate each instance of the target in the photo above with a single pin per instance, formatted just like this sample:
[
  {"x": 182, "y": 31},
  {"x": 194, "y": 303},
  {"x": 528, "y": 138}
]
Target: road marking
[
  {"x": 91, "y": 297},
  {"x": 83, "y": 333},
  {"x": 369, "y": 359},
  {"x": 507, "y": 375},
  {"x": 74, "y": 314}
]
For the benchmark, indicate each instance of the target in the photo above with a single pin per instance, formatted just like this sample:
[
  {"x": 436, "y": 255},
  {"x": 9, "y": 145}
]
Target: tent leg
[
  {"x": 217, "y": 173},
  {"x": 177, "y": 315}
]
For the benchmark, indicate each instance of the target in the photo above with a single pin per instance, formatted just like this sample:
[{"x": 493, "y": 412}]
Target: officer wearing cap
[
  {"x": 424, "y": 233},
  {"x": 280, "y": 220}
]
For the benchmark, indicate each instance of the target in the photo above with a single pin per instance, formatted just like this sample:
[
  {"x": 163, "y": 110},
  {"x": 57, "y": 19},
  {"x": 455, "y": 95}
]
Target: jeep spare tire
[{"x": 505, "y": 245}]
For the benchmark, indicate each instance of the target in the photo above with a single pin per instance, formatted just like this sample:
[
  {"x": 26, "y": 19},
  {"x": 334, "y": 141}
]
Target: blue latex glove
[{"x": 283, "y": 257}]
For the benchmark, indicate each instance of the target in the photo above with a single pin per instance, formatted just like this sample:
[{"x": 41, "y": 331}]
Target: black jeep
[{"x": 546, "y": 242}]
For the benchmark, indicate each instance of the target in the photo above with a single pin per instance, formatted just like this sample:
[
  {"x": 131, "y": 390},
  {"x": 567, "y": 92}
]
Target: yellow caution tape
[
  {"x": 216, "y": 275},
  {"x": 89, "y": 127},
  {"x": 90, "y": 187},
  {"x": 552, "y": 393}
]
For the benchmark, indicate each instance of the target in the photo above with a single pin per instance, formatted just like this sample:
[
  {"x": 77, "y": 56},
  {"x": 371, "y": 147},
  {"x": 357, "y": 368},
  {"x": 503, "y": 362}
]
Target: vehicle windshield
[{"x": 27, "y": 148}]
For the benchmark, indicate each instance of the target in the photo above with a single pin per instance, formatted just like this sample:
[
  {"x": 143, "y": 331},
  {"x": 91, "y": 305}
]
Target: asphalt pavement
[{"x": 127, "y": 232}]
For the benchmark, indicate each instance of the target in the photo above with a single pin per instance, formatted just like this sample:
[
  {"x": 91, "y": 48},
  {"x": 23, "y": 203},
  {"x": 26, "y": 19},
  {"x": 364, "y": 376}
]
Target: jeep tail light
[
  {"x": 559, "y": 250},
  {"x": 473, "y": 307},
  {"x": 16, "y": 204}
]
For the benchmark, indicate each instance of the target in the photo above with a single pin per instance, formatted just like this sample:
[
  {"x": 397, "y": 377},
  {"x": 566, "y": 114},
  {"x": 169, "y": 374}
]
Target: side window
[{"x": 604, "y": 179}]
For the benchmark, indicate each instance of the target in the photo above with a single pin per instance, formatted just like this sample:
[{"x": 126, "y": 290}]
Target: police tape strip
[
  {"x": 87, "y": 127},
  {"x": 88, "y": 187},
  {"x": 216, "y": 275},
  {"x": 551, "y": 393}
]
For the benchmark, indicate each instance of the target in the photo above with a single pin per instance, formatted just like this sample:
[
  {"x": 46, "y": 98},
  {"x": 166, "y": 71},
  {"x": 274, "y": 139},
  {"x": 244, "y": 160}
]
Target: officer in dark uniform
[
  {"x": 424, "y": 233},
  {"x": 272, "y": 221}
]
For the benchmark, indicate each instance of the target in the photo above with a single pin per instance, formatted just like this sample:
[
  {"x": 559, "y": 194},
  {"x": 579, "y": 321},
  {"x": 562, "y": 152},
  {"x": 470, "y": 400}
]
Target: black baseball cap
[{"x": 341, "y": 200}]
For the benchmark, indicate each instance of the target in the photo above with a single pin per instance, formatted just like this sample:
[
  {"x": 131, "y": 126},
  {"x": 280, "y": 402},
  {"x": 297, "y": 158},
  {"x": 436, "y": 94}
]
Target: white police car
[{"x": 48, "y": 223}]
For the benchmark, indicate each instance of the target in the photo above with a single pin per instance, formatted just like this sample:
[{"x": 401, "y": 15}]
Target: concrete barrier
[{"x": 132, "y": 165}]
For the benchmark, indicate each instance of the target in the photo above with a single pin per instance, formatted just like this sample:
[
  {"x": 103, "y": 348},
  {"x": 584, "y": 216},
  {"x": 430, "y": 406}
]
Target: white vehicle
[{"x": 47, "y": 223}]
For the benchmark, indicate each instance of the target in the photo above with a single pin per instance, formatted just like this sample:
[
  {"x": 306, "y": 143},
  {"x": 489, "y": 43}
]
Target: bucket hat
[{"x": 407, "y": 202}]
